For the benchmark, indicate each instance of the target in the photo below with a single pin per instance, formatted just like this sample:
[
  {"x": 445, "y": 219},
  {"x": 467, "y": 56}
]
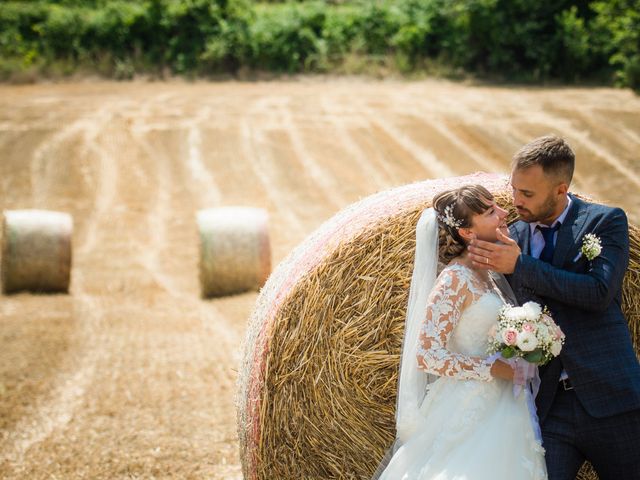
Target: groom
[{"x": 589, "y": 399}]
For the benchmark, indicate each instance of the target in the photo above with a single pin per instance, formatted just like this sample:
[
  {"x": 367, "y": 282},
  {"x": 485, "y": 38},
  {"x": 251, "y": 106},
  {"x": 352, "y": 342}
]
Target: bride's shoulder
[
  {"x": 457, "y": 268},
  {"x": 456, "y": 271}
]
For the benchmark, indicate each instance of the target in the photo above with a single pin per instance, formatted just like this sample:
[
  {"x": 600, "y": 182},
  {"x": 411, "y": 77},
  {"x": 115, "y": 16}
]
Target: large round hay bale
[
  {"x": 36, "y": 251},
  {"x": 316, "y": 390},
  {"x": 235, "y": 252}
]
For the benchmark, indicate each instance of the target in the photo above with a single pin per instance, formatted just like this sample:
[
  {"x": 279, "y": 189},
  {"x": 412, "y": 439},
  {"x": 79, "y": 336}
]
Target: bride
[{"x": 457, "y": 416}]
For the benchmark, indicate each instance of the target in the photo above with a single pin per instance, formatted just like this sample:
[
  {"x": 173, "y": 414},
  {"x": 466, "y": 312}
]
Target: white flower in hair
[{"x": 448, "y": 218}]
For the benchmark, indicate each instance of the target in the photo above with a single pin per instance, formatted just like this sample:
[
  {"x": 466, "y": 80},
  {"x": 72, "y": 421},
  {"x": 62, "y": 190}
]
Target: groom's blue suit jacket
[{"x": 584, "y": 298}]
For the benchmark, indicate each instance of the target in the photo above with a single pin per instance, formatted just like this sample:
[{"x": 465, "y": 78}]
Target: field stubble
[{"x": 132, "y": 374}]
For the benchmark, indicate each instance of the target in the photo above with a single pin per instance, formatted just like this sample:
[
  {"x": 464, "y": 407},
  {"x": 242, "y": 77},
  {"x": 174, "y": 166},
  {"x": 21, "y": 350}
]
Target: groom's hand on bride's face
[{"x": 499, "y": 257}]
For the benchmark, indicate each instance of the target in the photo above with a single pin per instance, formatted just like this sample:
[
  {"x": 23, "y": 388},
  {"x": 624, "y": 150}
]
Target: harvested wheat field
[{"x": 132, "y": 374}]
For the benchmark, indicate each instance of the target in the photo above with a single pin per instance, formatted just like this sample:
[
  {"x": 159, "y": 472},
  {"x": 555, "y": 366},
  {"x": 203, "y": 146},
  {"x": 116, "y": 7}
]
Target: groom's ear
[{"x": 562, "y": 188}]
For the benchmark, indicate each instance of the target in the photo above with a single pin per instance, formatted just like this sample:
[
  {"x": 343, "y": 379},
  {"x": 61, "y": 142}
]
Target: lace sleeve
[{"x": 449, "y": 297}]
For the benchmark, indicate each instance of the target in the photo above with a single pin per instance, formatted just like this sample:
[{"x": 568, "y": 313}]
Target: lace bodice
[{"x": 460, "y": 312}]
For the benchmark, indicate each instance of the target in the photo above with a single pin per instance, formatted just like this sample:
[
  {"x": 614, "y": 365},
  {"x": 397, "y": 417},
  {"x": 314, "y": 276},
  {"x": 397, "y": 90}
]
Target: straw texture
[
  {"x": 235, "y": 252},
  {"x": 316, "y": 393},
  {"x": 36, "y": 251}
]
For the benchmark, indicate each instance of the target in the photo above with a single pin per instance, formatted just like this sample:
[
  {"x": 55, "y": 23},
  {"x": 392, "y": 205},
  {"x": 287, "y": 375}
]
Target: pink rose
[
  {"x": 528, "y": 327},
  {"x": 559, "y": 333},
  {"x": 510, "y": 336}
]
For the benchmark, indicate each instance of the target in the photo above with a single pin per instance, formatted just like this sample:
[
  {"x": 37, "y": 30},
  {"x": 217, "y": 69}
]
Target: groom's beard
[{"x": 544, "y": 214}]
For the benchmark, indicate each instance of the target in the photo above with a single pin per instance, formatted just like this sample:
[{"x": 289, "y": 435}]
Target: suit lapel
[{"x": 569, "y": 231}]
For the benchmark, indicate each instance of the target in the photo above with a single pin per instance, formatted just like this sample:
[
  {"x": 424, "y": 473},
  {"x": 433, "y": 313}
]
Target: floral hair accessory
[
  {"x": 591, "y": 246},
  {"x": 448, "y": 219}
]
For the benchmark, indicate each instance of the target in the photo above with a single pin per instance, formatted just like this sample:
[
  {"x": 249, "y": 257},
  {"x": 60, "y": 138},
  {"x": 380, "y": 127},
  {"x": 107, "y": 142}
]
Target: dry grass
[
  {"x": 324, "y": 406},
  {"x": 33, "y": 350},
  {"x": 135, "y": 370}
]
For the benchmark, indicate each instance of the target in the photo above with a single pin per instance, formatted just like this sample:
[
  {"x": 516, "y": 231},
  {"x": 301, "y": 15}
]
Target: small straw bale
[
  {"x": 36, "y": 251},
  {"x": 317, "y": 385},
  {"x": 235, "y": 252}
]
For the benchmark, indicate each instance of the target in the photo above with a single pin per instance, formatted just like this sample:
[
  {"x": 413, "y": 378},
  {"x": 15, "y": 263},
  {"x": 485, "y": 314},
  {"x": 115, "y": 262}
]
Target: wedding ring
[{"x": 486, "y": 260}]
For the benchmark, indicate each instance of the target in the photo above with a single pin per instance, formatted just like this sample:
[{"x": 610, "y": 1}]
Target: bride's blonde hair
[{"x": 461, "y": 204}]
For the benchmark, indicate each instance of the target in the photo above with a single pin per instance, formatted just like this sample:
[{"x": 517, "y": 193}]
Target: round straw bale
[
  {"x": 317, "y": 386},
  {"x": 235, "y": 253},
  {"x": 36, "y": 251}
]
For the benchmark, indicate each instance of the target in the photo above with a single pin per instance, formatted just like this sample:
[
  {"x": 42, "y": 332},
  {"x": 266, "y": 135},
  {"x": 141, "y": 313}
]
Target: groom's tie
[
  {"x": 547, "y": 255},
  {"x": 547, "y": 233}
]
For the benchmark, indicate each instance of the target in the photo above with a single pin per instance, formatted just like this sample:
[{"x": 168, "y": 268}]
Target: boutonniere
[{"x": 591, "y": 246}]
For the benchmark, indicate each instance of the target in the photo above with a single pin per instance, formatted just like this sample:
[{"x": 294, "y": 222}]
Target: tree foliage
[{"x": 540, "y": 40}]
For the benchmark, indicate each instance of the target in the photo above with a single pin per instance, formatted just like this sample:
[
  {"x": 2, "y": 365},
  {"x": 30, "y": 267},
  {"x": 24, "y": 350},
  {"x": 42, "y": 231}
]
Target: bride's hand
[{"x": 502, "y": 370}]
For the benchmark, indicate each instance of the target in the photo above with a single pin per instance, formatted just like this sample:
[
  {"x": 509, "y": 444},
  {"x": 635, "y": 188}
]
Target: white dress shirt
[{"x": 537, "y": 240}]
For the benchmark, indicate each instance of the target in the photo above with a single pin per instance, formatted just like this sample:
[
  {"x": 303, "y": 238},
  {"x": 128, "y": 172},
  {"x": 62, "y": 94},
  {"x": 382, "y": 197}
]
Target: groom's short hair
[{"x": 552, "y": 153}]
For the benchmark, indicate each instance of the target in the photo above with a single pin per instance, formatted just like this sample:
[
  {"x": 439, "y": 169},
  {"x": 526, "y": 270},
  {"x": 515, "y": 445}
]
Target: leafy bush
[
  {"x": 288, "y": 38},
  {"x": 617, "y": 32},
  {"x": 513, "y": 39},
  {"x": 18, "y": 34}
]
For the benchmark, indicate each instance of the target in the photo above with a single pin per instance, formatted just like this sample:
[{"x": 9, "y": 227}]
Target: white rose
[
  {"x": 527, "y": 341},
  {"x": 532, "y": 310},
  {"x": 515, "y": 314},
  {"x": 556, "y": 347}
]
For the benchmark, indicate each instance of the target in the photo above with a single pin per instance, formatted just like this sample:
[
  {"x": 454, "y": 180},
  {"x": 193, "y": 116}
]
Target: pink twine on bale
[{"x": 307, "y": 256}]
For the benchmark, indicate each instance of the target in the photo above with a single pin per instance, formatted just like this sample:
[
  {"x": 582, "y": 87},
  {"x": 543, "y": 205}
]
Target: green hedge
[{"x": 529, "y": 40}]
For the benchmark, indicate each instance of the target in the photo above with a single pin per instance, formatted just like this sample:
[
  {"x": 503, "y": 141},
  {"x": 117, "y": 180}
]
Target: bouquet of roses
[{"x": 528, "y": 332}]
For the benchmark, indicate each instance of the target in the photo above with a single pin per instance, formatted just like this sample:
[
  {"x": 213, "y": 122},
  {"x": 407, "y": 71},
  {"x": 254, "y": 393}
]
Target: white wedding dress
[{"x": 470, "y": 427}]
